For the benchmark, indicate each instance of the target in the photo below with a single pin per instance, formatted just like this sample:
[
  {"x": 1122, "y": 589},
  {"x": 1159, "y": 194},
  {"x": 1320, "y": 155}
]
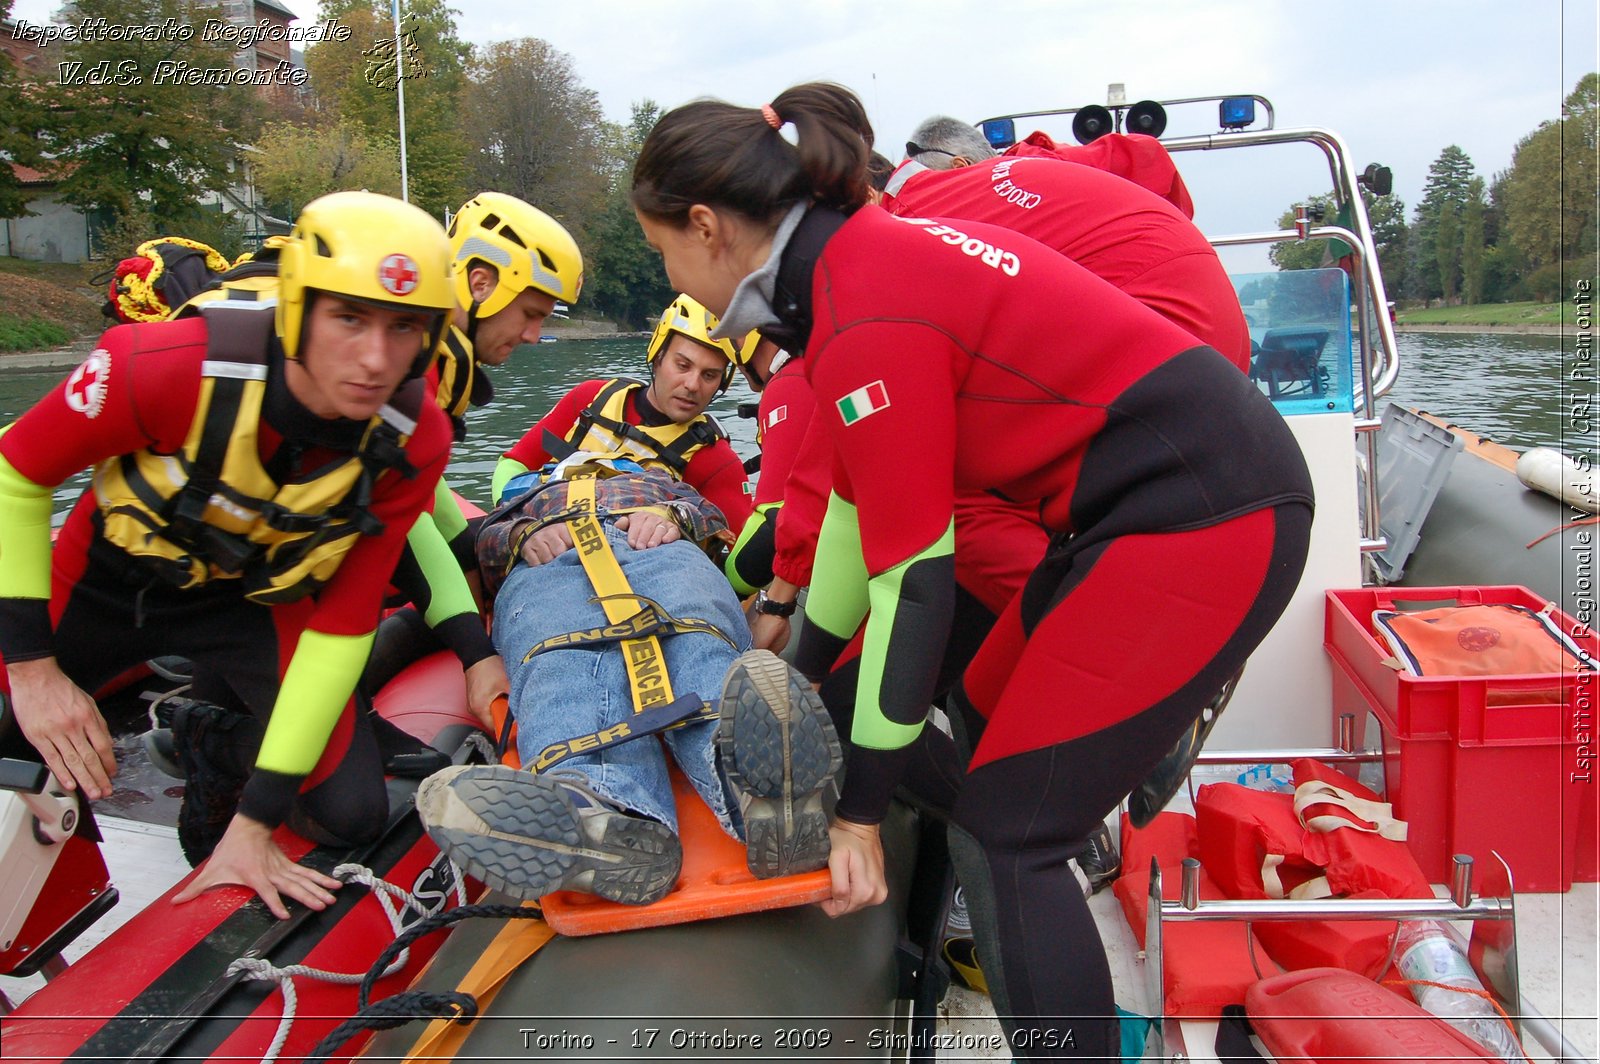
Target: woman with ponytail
[{"x": 959, "y": 356}]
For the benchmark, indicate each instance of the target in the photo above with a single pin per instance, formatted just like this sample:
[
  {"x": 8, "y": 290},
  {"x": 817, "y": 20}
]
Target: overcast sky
[{"x": 1399, "y": 81}]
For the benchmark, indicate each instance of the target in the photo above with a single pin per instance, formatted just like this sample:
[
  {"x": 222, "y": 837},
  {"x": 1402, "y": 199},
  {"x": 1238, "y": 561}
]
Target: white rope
[
  {"x": 261, "y": 968},
  {"x": 394, "y": 901},
  {"x": 484, "y": 747},
  {"x": 156, "y": 701}
]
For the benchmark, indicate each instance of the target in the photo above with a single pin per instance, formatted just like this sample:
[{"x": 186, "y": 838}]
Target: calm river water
[{"x": 1505, "y": 387}]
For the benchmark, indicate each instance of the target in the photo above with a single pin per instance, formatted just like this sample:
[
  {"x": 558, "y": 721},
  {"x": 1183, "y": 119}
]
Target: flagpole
[{"x": 400, "y": 91}]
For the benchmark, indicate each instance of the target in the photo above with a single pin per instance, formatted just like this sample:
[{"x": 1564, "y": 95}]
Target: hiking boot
[
  {"x": 213, "y": 747},
  {"x": 781, "y": 754},
  {"x": 162, "y": 751},
  {"x": 159, "y": 745},
  {"x": 1098, "y": 860},
  {"x": 1158, "y": 788},
  {"x": 529, "y": 835}
]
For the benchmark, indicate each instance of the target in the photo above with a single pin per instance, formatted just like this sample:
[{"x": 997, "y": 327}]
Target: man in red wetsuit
[
  {"x": 256, "y": 469},
  {"x": 659, "y": 424}
]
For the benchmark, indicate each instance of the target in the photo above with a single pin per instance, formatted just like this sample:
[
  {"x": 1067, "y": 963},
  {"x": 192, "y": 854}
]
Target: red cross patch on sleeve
[{"x": 86, "y": 388}]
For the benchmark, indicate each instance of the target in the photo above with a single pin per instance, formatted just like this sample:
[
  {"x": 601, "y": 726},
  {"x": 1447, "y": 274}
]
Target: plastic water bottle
[
  {"x": 1431, "y": 951},
  {"x": 1263, "y": 778}
]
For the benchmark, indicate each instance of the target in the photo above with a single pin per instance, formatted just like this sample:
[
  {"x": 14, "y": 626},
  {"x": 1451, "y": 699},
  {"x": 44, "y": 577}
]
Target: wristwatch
[{"x": 773, "y": 607}]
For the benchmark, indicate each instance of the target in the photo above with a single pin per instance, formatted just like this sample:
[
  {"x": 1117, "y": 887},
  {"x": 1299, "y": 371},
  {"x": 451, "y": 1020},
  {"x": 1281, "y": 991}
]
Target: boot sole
[
  {"x": 780, "y": 752},
  {"x": 524, "y": 835},
  {"x": 158, "y": 753}
]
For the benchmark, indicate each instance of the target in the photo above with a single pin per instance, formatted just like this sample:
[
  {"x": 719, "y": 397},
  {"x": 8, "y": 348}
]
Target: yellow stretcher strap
[
  {"x": 635, "y": 632},
  {"x": 689, "y": 709},
  {"x": 647, "y": 669},
  {"x": 516, "y": 942},
  {"x": 653, "y": 618}
]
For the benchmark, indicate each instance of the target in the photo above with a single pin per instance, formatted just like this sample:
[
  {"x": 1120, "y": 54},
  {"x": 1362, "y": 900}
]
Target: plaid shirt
[{"x": 503, "y": 532}]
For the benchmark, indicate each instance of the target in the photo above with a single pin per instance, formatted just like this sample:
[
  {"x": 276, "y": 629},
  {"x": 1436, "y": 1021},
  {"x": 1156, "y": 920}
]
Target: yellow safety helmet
[
  {"x": 746, "y": 351},
  {"x": 270, "y": 248},
  {"x": 370, "y": 248},
  {"x": 527, "y": 247},
  {"x": 747, "y": 347},
  {"x": 686, "y": 316}
]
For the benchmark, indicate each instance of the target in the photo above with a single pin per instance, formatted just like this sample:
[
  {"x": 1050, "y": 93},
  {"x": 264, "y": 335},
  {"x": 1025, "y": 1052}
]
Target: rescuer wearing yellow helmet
[
  {"x": 511, "y": 264},
  {"x": 660, "y": 423},
  {"x": 256, "y": 467}
]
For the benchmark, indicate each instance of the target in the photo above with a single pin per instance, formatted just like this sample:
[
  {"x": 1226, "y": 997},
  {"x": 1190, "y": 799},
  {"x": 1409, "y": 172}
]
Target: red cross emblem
[
  {"x": 86, "y": 388},
  {"x": 398, "y": 275}
]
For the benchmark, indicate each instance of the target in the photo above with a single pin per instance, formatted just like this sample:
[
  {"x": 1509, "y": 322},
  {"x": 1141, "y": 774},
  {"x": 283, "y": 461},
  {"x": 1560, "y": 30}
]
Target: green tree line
[
  {"x": 1529, "y": 233},
  {"x": 142, "y": 158}
]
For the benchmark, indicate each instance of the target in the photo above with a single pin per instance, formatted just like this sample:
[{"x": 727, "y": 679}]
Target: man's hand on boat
[
  {"x": 64, "y": 725},
  {"x": 247, "y": 857},
  {"x": 486, "y": 681},
  {"x": 856, "y": 863}
]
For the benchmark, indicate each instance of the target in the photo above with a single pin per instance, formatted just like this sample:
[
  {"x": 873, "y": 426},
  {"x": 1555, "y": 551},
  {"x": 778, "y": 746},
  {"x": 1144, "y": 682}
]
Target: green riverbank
[{"x": 1498, "y": 317}]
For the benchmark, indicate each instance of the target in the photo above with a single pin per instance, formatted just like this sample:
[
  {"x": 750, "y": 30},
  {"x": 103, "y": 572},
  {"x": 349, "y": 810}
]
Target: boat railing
[
  {"x": 1380, "y": 361},
  {"x": 1379, "y": 366},
  {"x": 1493, "y": 916},
  {"x": 1383, "y": 365},
  {"x": 1379, "y": 354}
]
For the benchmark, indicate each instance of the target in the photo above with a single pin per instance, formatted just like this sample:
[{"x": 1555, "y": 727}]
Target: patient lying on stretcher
[{"x": 615, "y": 627}]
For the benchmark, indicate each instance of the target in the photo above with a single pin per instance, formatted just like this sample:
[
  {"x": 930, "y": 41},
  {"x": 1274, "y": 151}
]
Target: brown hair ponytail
[{"x": 715, "y": 153}]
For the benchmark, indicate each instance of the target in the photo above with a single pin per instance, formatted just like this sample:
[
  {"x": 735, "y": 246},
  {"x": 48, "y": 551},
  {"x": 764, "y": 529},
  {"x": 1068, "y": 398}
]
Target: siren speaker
[
  {"x": 1147, "y": 117},
  {"x": 1380, "y": 179},
  {"x": 1091, "y": 123}
]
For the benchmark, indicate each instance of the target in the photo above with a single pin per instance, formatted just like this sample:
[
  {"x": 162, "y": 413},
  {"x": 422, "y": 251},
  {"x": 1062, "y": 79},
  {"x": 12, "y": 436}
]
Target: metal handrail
[
  {"x": 1060, "y": 111},
  {"x": 1380, "y": 368},
  {"x": 1493, "y": 916},
  {"x": 1387, "y": 366},
  {"x": 1346, "y": 188}
]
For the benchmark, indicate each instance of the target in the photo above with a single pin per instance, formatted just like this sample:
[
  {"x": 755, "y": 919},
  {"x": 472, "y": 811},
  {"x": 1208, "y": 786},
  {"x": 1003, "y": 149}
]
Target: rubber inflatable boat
[
  {"x": 1503, "y": 517},
  {"x": 192, "y": 981}
]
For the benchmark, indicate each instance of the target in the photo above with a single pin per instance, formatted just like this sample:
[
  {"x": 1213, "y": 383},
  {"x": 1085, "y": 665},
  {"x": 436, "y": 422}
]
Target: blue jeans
[{"x": 560, "y": 694}]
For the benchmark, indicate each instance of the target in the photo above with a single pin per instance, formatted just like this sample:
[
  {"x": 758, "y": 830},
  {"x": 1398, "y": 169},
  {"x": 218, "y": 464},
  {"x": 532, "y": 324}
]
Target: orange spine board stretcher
[{"x": 714, "y": 880}]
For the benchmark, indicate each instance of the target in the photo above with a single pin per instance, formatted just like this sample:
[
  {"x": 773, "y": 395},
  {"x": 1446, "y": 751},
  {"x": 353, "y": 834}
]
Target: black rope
[
  {"x": 395, "y": 1010},
  {"x": 433, "y": 923}
]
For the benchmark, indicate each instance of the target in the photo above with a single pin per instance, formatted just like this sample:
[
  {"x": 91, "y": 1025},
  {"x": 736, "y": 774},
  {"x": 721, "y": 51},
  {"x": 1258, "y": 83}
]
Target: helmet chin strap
[{"x": 472, "y": 320}]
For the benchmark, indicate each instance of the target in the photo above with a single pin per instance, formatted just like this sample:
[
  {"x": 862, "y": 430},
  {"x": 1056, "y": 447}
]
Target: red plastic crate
[{"x": 1476, "y": 764}]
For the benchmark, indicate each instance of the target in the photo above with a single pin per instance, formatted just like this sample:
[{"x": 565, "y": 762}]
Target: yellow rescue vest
[
  {"x": 211, "y": 511},
  {"x": 603, "y": 430},
  {"x": 461, "y": 383}
]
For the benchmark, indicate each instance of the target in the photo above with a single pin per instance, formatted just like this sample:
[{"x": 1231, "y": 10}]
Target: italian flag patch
[{"x": 863, "y": 402}]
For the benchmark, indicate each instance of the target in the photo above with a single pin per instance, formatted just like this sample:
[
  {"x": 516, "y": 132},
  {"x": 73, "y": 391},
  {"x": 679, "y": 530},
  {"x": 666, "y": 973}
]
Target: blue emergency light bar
[{"x": 1236, "y": 112}]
